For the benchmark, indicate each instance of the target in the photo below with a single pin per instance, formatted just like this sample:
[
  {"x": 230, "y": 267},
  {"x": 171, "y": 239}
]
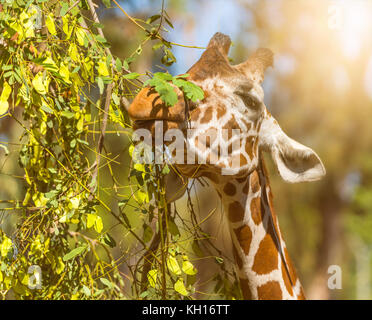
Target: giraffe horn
[
  {"x": 220, "y": 41},
  {"x": 257, "y": 63}
]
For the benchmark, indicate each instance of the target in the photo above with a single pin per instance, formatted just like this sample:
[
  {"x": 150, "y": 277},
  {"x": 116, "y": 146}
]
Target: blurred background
[{"x": 320, "y": 91}]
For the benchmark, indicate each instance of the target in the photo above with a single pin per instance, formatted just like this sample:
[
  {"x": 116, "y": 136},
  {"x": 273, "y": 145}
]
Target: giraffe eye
[{"x": 248, "y": 99}]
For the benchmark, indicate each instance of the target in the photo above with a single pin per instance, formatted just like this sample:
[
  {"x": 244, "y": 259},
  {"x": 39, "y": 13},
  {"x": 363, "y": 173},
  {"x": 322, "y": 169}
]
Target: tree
[{"x": 65, "y": 89}]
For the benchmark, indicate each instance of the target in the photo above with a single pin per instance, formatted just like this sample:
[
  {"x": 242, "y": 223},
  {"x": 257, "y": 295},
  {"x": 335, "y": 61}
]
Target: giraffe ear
[
  {"x": 255, "y": 66},
  {"x": 221, "y": 42},
  {"x": 295, "y": 162}
]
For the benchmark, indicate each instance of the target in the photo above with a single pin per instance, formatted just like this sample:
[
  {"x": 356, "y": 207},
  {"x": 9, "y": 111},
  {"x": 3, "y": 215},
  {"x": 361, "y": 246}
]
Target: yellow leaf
[
  {"x": 1, "y": 277},
  {"x": 5, "y": 246},
  {"x": 27, "y": 24},
  {"x": 65, "y": 73},
  {"x": 80, "y": 35},
  {"x": 139, "y": 167},
  {"x": 66, "y": 27},
  {"x": 75, "y": 202},
  {"x": 39, "y": 84},
  {"x": 49, "y": 21},
  {"x": 188, "y": 268},
  {"x": 4, "y": 105},
  {"x": 49, "y": 64},
  {"x": 24, "y": 278},
  {"x": 130, "y": 150},
  {"x": 80, "y": 123},
  {"x": 43, "y": 127},
  {"x": 75, "y": 296},
  {"x": 60, "y": 266},
  {"x": 91, "y": 219},
  {"x": 102, "y": 68},
  {"x": 173, "y": 265},
  {"x": 73, "y": 52},
  {"x": 39, "y": 199},
  {"x": 98, "y": 226},
  {"x": 152, "y": 277},
  {"x": 142, "y": 197},
  {"x": 180, "y": 287}
]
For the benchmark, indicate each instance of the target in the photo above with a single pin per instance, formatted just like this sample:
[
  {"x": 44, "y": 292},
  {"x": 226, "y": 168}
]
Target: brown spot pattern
[
  {"x": 270, "y": 291},
  {"x": 246, "y": 188},
  {"x": 229, "y": 189},
  {"x": 236, "y": 212},
  {"x": 256, "y": 213},
  {"x": 244, "y": 237},
  {"x": 246, "y": 291},
  {"x": 266, "y": 258},
  {"x": 220, "y": 112},
  {"x": 301, "y": 295},
  {"x": 207, "y": 115},
  {"x": 255, "y": 181},
  {"x": 249, "y": 146}
]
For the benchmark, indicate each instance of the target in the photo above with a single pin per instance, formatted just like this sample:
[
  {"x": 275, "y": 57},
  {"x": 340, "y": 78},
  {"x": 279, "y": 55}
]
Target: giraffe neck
[{"x": 263, "y": 264}]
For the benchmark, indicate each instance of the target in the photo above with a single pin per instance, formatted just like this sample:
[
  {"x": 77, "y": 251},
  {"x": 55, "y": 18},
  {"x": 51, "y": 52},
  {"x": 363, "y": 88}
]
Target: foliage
[
  {"x": 160, "y": 82},
  {"x": 56, "y": 65}
]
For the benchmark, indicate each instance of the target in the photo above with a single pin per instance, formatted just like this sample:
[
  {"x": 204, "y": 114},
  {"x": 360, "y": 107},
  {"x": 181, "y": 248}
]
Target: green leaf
[
  {"x": 133, "y": 75},
  {"x": 107, "y": 239},
  {"x": 173, "y": 229},
  {"x": 118, "y": 64},
  {"x": 86, "y": 291},
  {"x": 101, "y": 85},
  {"x": 107, "y": 3},
  {"x": 162, "y": 76},
  {"x": 167, "y": 93},
  {"x": 153, "y": 18},
  {"x": 147, "y": 233},
  {"x": 67, "y": 114},
  {"x": 107, "y": 283},
  {"x": 191, "y": 90},
  {"x": 64, "y": 8},
  {"x": 73, "y": 253},
  {"x": 100, "y": 38},
  {"x": 46, "y": 108}
]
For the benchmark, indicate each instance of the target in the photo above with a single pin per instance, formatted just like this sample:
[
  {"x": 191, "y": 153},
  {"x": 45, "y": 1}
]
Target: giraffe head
[{"x": 234, "y": 101}]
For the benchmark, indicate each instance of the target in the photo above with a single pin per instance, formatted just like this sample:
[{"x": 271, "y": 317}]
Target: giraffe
[{"x": 233, "y": 101}]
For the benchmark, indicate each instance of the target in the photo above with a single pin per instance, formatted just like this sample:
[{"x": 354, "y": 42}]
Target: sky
[{"x": 351, "y": 19}]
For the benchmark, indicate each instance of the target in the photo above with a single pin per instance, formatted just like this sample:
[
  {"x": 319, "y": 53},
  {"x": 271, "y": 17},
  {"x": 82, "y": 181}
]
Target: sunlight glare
[{"x": 355, "y": 27}]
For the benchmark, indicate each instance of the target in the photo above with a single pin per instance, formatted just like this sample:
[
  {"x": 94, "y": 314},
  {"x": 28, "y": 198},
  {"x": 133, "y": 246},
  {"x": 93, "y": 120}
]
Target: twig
[
  {"x": 103, "y": 131},
  {"x": 73, "y": 6}
]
